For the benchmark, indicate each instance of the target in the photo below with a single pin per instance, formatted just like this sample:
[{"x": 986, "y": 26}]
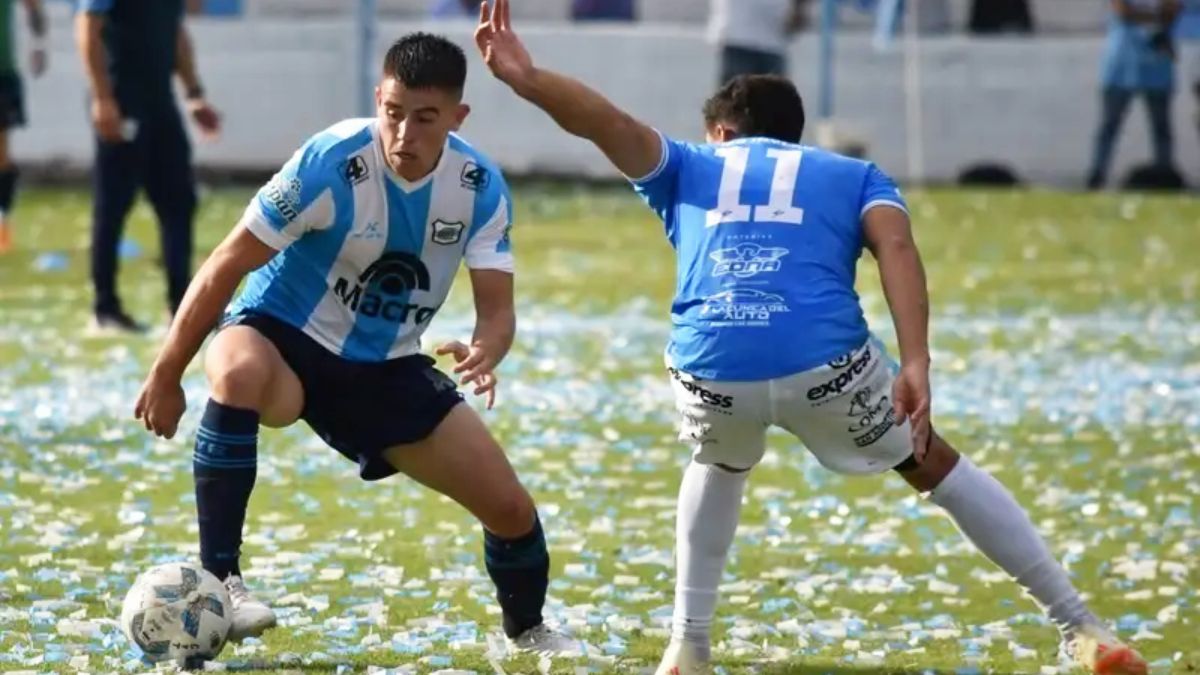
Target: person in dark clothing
[
  {"x": 130, "y": 50},
  {"x": 12, "y": 99}
]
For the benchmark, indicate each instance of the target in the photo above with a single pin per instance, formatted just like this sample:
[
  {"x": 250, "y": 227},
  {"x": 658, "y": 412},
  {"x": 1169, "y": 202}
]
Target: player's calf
[{"x": 988, "y": 515}]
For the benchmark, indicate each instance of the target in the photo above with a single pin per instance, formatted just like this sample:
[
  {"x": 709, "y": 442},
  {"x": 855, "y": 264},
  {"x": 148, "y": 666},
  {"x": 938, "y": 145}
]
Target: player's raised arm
[{"x": 633, "y": 147}]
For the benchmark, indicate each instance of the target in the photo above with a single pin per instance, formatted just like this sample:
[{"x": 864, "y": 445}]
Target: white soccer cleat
[
  {"x": 543, "y": 640},
  {"x": 682, "y": 658},
  {"x": 250, "y": 617},
  {"x": 1099, "y": 651}
]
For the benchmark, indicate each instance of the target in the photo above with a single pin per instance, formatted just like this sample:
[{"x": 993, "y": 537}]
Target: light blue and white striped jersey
[
  {"x": 766, "y": 236},
  {"x": 366, "y": 258}
]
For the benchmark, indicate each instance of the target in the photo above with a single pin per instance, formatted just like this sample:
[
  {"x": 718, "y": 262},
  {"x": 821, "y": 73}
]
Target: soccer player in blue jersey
[
  {"x": 350, "y": 250},
  {"x": 767, "y": 330}
]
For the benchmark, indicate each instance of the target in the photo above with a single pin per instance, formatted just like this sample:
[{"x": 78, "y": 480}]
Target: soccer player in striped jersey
[{"x": 350, "y": 250}]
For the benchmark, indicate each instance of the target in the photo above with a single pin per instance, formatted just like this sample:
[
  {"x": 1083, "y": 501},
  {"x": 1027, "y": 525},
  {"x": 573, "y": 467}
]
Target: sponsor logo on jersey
[
  {"x": 843, "y": 379},
  {"x": 842, "y": 361},
  {"x": 356, "y": 170},
  {"x": 706, "y": 396},
  {"x": 378, "y": 291},
  {"x": 475, "y": 177},
  {"x": 445, "y": 233},
  {"x": 747, "y": 260},
  {"x": 284, "y": 194},
  {"x": 742, "y": 307},
  {"x": 369, "y": 231}
]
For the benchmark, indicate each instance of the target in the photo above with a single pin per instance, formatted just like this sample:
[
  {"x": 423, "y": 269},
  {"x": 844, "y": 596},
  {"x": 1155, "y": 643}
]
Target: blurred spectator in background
[
  {"x": 1139, "y": 59},
  {"x": 753, "y": 34},
  {"x": 454, "y": 9},
  {"x": 12, "y": 99},
  {"x": 1000, "y": 16},
  {"x": 602, "y": 10},
  {"x": 130, "y": 50}
]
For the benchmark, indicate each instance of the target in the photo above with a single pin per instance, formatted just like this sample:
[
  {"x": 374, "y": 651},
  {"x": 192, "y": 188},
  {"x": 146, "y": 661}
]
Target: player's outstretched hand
[
  {"x": 910, "y": 396},
  {"x": 476, "y": 364},
  {"x": 160, "y": 405},
  {"x": 499, "y": 46}
]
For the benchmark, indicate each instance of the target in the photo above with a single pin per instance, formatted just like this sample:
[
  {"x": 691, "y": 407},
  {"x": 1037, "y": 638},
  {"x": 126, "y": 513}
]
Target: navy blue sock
[
  {"x": 224, "y": 466},
  {"x": 520, "y": 568},
  {"x": 8, "y": 189}
]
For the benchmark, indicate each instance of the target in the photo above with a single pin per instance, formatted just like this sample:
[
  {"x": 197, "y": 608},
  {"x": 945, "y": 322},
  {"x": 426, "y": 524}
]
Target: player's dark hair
[
  {"x": 425, "y": 61},
  {"x": 758, "y": 105}
]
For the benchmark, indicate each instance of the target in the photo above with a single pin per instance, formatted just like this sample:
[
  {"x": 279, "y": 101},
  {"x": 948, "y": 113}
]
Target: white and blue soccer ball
[{"x": 177, "y": 612}]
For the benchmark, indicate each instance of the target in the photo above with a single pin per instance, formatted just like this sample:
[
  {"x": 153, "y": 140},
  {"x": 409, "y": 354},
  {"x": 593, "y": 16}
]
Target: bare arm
[
  {"x": 634, "y": 148},
  {"x": 495, "y": 326},
  {"x": 210, "y": 291},
  {"x": 495, "y": 318},
  {"x": 889, "y": 237},
  {"x": 88, "y": 27}
]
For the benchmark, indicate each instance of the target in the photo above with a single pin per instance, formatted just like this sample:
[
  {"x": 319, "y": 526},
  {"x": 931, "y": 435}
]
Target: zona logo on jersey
[
  {"x": 375, "y": 290},
  {"x": 747, "y": 260}
]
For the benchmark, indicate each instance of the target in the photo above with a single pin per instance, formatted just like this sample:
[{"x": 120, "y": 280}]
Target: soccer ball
[{"x": 177, "y": 612}]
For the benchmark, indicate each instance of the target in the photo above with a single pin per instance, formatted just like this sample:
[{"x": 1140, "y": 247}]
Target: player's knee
[
  {"x": 240, "y": 383},
  {"x": 511, "y": 514},
  {"x": 238, "y": 377}
]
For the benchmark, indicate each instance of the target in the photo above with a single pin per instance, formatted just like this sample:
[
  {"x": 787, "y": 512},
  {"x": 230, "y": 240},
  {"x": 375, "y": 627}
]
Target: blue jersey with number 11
[{"x": 767, "y": 235}]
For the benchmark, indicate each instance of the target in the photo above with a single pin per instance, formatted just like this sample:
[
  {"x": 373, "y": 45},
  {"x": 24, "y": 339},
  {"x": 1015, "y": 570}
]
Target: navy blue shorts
[{"x": 361, "y": 409}]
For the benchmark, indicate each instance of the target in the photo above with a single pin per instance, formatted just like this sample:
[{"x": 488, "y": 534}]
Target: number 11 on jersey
[{"x": 779, "y": 208}]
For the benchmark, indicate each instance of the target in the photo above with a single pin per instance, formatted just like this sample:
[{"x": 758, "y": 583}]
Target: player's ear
[
  {"x": 460, "y": 115},
  {"x": 378, "y": 96}
]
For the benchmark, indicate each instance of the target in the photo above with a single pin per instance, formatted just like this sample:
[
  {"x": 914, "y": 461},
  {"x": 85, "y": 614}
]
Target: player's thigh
[
  {"x": 246, "y": 370},
  {"x": 725, "y": 423},
  {"x": 462, "y": 460},
  {"x": 4, "y": 158},
  {"x": 842, "y": 412}
]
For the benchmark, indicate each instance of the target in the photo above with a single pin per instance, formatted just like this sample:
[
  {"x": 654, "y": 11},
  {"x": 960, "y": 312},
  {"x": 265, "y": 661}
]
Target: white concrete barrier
[{"x": 1031, "y": 103}]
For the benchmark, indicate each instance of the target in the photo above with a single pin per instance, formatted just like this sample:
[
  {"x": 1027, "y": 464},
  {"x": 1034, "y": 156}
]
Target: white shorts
[{"x": 841, "y": 411}]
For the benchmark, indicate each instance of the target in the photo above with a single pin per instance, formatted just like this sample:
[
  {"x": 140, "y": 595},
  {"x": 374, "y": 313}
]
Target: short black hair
[
  {"x": 426, "y": 61},
  {"x": 758, "y": 105}
]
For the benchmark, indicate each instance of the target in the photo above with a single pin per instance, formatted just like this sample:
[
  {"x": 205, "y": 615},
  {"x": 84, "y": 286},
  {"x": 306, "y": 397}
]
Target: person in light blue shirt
[
  {"x": 351, "y": 249},
  {"x": 767, "y": 331},
  {"x": 1139, "y": 60}
]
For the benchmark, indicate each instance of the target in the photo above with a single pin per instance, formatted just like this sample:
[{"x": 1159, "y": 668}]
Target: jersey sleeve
[
  {"x": 490, "y": 245},
  {"x": 660, "y": 187},
  {"x": 880, "y": 190},
  {"x": 296, "y": 200}
]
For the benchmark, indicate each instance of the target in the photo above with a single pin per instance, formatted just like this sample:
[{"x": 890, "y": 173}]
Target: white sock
[
  {"x": 710, "y": 503},
  {"x": 990, "y": 518}
]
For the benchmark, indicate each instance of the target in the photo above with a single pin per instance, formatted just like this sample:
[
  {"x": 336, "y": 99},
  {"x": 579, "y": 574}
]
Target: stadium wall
[{"x": 1030, "y": 103}]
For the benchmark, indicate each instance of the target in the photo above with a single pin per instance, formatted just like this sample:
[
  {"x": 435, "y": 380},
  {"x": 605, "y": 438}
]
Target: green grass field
[{"x": 1066, "y": 345}]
